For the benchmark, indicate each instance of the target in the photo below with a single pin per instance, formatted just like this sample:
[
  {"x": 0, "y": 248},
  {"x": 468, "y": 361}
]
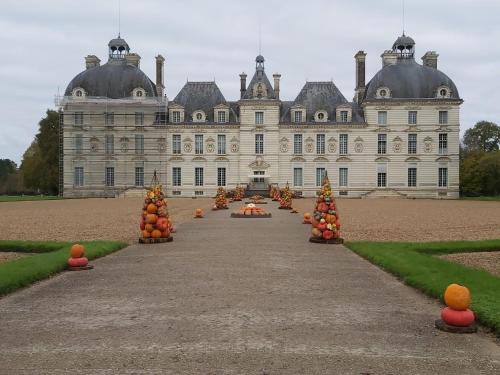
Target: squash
[
  {"x": 152, "y": 208},
  {"x": 151, "y": 218},
  {"x": 322, "y": 225},
  {"x": 146, "y": 234},
  {"x": 165, "y": 234},
  {"x": 78, "y": 262},
  {"x": 323, "y": 207},
  {"x": 457, "y": 297},
  {"x": 77, "y": 251},
  {"x": 142, "y": 224},
  {"x": 156, "y": 233},
  {"x": 457, "y": 318},
  {"x": 327, "y": 234},
  {"x": 316, "y": 232},
  {"x": 198, "y": 212},
  {"x": 330, "y": 219},
  {"x": 162, "y": 224}
]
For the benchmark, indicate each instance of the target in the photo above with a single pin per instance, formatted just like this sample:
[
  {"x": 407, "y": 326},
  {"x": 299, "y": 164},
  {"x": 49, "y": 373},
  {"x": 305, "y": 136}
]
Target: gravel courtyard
[{"x": 362, "y": 219}]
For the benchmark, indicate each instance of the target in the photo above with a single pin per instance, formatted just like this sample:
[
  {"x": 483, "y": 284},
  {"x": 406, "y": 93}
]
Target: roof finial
[
  {"x": 403, "y": 17},
  {"x": 119, "y": 18},
  {"x": 260, "y": 36}
]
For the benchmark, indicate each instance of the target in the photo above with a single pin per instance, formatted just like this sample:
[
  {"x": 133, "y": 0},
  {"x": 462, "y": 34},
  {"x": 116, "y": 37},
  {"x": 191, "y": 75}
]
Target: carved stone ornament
[
  {"x": 234, "y": 148},
  {"x": 428, "y": 145},
  {"x": 94, "y": 144},
  {"x": 332, "y": 147},
  {"x": 283, "y": 148},
  {"x": 358, "y": 147},
  {"x": 309, "y": 148},
  {"x": 187, "y": 147},
  {"x": 162, "y": 145},
  {"x": 210, "y": 148},
  {"x": 397, "y": 147}
]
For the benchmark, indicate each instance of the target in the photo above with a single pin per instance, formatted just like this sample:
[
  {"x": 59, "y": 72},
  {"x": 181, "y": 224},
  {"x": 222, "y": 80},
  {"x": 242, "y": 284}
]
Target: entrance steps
[
  {"x": 383, "y": 193},
  {"x": 133, "y": 193}
]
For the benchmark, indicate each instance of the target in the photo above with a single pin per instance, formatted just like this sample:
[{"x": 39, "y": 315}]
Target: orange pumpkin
[
  {"x": 77, "y": 251},
  {"x": 165, "y": 234},
  {"x": 198, "y": 212},
  {"x": 327, "y": 234},
  {"x": 156, "y": 233},
  {"x": 151, "y": 218},
  {"x": 162, "y": 224},
  {"x": 149, "y": 228},
  {"x": 146, "y": 234},
  {"x": 457, "y": 297},
  {"x": 152, "y": 208},
  {"x": 330, "y": 219},
  {"x": 323, "y": 207}
]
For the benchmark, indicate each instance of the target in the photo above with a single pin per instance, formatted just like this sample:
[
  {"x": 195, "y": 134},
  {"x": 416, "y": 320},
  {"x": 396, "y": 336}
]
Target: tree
[
  {"x": 484, "y": 136},
  {"x": 489, "y": 167},
  {"x": 7, "y": 167},
  {"x": 40, "y": 163}
]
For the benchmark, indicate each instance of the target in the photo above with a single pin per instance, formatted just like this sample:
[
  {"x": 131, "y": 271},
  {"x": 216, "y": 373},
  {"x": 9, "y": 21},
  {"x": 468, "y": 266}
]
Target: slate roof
[
  {"x": 316, "y": 96},
  {"x": 409, "y": 80},
  {"x": 196, "y": 96},
  {"x": 115, "y": 80},
  {"x": 259, "y": 76}
]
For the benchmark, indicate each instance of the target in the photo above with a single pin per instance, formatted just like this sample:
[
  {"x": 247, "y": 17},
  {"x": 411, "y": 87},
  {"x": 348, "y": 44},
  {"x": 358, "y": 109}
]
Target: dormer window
[
  {"x": 199, "y": 116},
  {"x": 320, "y": 116},
  {"x": 176, "y": 116},
  {"x": 443, "y": 92},
  {"x": 383, "y": 93},
  {"x": 343, "y": 116},
  {"x": 138, "y": 93},
  {"x": 344, "y": 113},
  {"x": 221, "y": 117},
  {"x": 78, "y": 93},
  {"x": 297, "y": 116}
]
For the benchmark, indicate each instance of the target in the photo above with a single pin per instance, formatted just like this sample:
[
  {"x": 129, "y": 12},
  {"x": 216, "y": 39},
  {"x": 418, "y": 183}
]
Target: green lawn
[
  {"x": 19, "y": 198},
  {"x": 497, "y": 198},
  {"x": 50, "y": 258},
  {"x": 415, "y": 264}
]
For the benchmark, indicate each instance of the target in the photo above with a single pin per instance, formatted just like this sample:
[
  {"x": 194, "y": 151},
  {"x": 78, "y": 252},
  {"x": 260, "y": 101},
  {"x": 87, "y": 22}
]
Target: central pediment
[{"x": 259, "y": 163}]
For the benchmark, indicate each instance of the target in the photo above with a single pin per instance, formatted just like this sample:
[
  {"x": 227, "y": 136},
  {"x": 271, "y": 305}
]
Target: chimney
[
  {"x": 92, "y": 61},
  {"x": 159, "y": 75},
  {"x": 360, "y": 76},
  {"x": 389, "y": 57},
  {"x": 243, "y": 84},
  {"x": 430, "y": 59},
  {"x": 133, "y": 59},
  {"x": 277, "y": 77}
]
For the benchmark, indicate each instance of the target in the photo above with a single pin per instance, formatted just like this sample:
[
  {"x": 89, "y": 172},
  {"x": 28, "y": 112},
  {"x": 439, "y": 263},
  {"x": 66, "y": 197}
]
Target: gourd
[
  {"x": 316, "y": 232},
  {"x": 78, "y": 262},
  {"x": 156, "y": 233},
  {"x": 152, "y": 208},
  {"x": 149, "y": 228},
  {"x": 457, "y": 297},
  {"x": 146, "y": 234},
  {"x": 327, "y": 234},
  {"x": 151, "y": 218},
  {"x": 457, "y": 318},
  {"x": 77, "y": 251}
]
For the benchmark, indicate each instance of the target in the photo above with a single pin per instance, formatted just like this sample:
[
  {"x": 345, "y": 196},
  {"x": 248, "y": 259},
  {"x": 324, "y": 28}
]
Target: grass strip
[
  {"x": 51, "y": 260},
  {"x": 22, "y": 198},
  {"x": 415, "y": 264}
]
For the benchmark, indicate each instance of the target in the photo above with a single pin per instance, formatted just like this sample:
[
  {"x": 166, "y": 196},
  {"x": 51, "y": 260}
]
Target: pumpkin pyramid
[
  {"x": 155, "y": 223},
  {"x": 239, "y": 193},
  {"x": 286, "y": 198},
  {"x": 325, "y": 220},
  {"x": 220, "y": 200},
  {"x": 276, "y": 194}
]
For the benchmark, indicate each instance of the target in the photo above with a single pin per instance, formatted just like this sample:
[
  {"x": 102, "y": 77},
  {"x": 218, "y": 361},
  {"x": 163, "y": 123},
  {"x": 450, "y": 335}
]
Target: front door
[{"x": 259, "y": 182}]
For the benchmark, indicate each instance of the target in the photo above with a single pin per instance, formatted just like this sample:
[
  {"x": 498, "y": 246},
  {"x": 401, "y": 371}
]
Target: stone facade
[{"x": 389, "y": 140}]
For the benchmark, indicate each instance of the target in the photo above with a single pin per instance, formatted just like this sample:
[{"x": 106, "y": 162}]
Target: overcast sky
[{"x": 44, "y": 43}]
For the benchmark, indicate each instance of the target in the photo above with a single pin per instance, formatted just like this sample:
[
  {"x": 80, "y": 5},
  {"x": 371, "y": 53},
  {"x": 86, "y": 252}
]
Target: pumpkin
[
  {"x": 314, "y": 222},
  {"x": 321, "y": 226},
  {"x": 327, "y": 234},
  {"x": 337, "y": 223},
  {"x": 142, "y": 224},
  {"x": 457, "y": 318},
  {"x": 457, "y": 297},
  {"x": 77, "y": 251},
  {"x": 316, "y": 232},
  {"x": 78, "y": 262},
  {"x": 322, "y": 207},
  {"x": 151, "y": 218},
  {"x": 156, "y": 233},
  {"x": 146, "y": 234},
  {"x": 198, "y": 212},
  {"x": 162, "y": 224},
  {"x": 330, "y": 219},
  {"x": 152, "y": 208},
  {"x": 336, "y": 234},
  {"x": 162, "y": 211},
  {"x": 149, "y": 228},
  {"x": 165, "y": 234}
]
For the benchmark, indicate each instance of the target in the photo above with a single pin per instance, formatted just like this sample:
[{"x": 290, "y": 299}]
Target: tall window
[
  {"x": 221, "y": 144},
  {"x": 161, "y": 118},
  {"x": 176, "y": 176},
  {"x": 297, "y": 177},
  {"x": 78, "y": 143},
  {"x": 221, "y": 116},
  {"x": 443, "y": 177},
  {"x": 176, "y": 144},
  {"x": 110, "y": 176},
  {"x": 139, "y": 118},
  {"x": 297, "y": 116},
  {"x": 78, "y": 118},
  {"x": 198, "y": 176},
  {"x": 259, "y": 118},
  {"x": 382, "y": 144},
  {"x": 343, "y": 176},
  {"x": 412, "y": 117},
  {"x": 259, "y": 143},
  {"x": 412, "y": 143},
  {"x": 320, "y": 144},
  {"x": 139, "y": 176},
  {"x": 382, "y": 117},
  {"x": 343, "y": 144},
  {"x": 382, "y": 175},
  {"x": 109, "y": 144},
  {"x": 176, "y": 116},
  {"x": 78, "y": 178},
  {"x": 109, "y": 118},
  {"x": 297, "y": 144},
  {"x": 443, "y": 117},
  {"x": 443, "y": 143},
  {"x": 320, "y": 175},
  {"x": 412, "y": 177},
  {"x": 139, "y": 144},
  {"x": 221, "y": 176},
  {"x": 198, "y": 144},
  {"x": 343, "y": 116}
]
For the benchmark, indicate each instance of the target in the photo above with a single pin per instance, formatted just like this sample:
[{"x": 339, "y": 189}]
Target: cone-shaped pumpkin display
[
  {"x": 457, "y": 317},
  {"x": 325, "y": 219},
  {"x": 286, "y": 198},
  {"x": 155, "y": 223},
  {"x": 220, "y": 200},
  {"x": 239, "y": 193},
  {"x": 275, "y": 193}
]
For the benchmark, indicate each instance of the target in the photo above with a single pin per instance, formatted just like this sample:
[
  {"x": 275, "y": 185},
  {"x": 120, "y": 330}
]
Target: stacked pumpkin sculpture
[
  {"x": 457, "y": 317},
  {"x": 325, "y": 220},
  {"x": 239, "y": 193},
  {"x": 155, "y": 223},
  {"x": 77, "y": 260},
  {"x": 286, "y": 198},
  {"x": 275, "y": 193},
  {"x": 250, "y": 210},
  {"x": 220, "y": 200}
]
